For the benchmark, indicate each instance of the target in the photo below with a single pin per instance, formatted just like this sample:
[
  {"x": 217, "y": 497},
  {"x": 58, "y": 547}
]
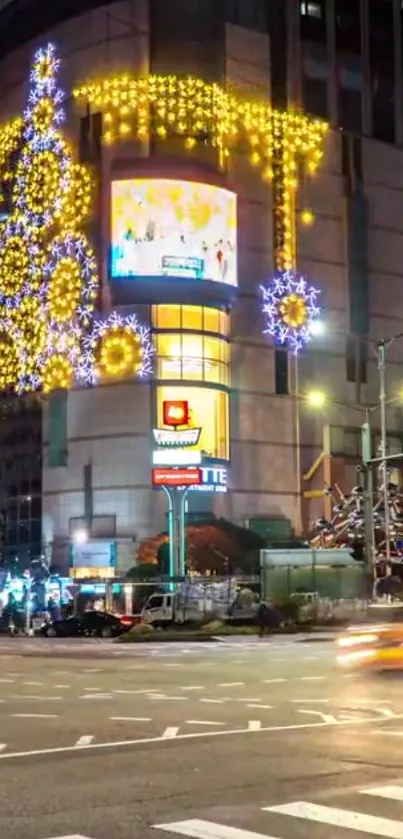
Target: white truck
[{"x": 191, "y": 602}]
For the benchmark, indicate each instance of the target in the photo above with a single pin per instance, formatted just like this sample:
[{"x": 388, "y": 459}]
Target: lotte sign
[{"x": 176, "y": 477}]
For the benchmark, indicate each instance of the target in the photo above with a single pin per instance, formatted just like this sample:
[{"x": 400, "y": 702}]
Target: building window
[
  {"x": 208, "y": 410},
  {"x": 192, "y": 357},
  {"x": 381, "y": 54},
  {"x": 195, "y": 318},
  {"x": 281, "y": 372},
  {"x": 348, "y": 26},
  {"x": 356, "y": 360},
  {"x": 311, "y": 9},
  {"x": 313, "y": 21},
  {"x": 314, "y": 97}
]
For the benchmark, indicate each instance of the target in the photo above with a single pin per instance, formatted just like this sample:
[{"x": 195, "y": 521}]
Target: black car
[{"x": 101, "y": 624}]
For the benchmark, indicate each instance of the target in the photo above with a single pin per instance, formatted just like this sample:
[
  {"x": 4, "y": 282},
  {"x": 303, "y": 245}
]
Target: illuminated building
[{"x": 254, "y": 189}]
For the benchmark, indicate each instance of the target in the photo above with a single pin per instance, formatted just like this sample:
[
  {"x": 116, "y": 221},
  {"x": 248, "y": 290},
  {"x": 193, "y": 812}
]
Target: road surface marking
[
  {"x": 230, "y": 684},
  {"x": 85, "y": 740},
  {"x": 171, "y": 731},
  {"x": 92, "y": 690},
  {"x": 96, "y": 696},
  {"x": 74, "y": 836},
  {"x": 254, "y": 725},
  {"x": 37, "y": 698},
  {"x": 88, "y": 670},
  {"x": 196, "y": 735},
  {"x": 61, "y": 686},
  {"x": 131, "y": 719},
  {"x": 315, "y": 701},
  {"x": 33, "y": 684},
  {"x": 212, "y": 701},
  {"x": 3, "y": 746},
  {"x": 266, "y": 707},
  {"x": 328, "y": 718},
  {"x": 203, "y": 722},
  {"x": 272, "y": 681},
  {"x": 37, "y": 716},
  {"x": 200, "y": 829},
  {"x": 193, "y": 687},
  {"x": 6, "y": 681},
  {"x": 388, "y": 828},
  {"x": 394, "y": 793},
  {"x": 312, "y": 678}
]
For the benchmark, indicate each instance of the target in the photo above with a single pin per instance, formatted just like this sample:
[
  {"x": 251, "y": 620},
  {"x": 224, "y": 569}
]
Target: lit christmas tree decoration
[
  {"x": 290, "y": 306},
  {"x": 48, "y": 272}
]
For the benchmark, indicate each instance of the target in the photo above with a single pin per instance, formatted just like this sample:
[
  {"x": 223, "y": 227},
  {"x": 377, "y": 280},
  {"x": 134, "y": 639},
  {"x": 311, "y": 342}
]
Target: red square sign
[{"x": 176, "y": 413}]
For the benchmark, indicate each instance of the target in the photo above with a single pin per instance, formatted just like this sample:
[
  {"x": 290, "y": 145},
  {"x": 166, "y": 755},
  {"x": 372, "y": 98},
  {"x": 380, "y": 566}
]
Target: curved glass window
[
  {"x": 208, "y": 410},
  {"x": 197, "y": 318},
  {"x": 194, "y": 357}
]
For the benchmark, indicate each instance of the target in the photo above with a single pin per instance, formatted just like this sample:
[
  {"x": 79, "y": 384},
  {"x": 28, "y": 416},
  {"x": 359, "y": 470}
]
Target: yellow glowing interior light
[{"x": 307, "y": 218}]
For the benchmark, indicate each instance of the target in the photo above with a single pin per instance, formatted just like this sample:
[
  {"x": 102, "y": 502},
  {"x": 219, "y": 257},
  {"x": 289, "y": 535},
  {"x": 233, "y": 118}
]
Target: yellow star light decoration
[{"x": 293, "y": 311}]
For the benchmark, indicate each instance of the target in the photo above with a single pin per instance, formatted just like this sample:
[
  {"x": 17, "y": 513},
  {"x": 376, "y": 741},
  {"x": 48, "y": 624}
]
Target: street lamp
[{"x": 80, "y": 537}]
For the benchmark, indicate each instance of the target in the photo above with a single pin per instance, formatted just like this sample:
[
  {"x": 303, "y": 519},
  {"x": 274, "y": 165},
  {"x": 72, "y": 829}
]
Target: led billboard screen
[{"x": 173, "y": 228}]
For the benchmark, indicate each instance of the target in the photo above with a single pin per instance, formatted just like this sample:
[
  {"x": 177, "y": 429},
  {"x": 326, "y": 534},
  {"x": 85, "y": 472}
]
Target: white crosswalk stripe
[
  {"x": 344, "y": 819},
  {"x": 374, "y": 825}
]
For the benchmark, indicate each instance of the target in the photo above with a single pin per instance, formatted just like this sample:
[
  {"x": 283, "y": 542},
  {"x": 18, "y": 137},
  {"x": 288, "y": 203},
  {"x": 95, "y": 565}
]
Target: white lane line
[
  {"x": 310, "y": 658},
  {"x": 247, "y": 699},
  {"x": 92, "y": 690},
  {"x": 36, "y": 716},
  {"x": 393, "y": 793},
  {"x": 6, "y": 681},
  {"x": 138, "y": 692},
  {"x": 272, "y": 681},
  {"x": 3, "y": 746},
  {"x": 312, "y": 678},
  {"x": 192, "y": 687},
  {"x": 230, "y": 684},
  {"x": 314, "y": 701},
  {"x": 88, "y": 670},
  {"x": 196, "y": 735},
  {"x": 203, "y": 722},
  {"x": 171, "y": 731},
  {"x": 37, "y": 698},
  {"x": 329, "y": 718},
  {"x": 33, "y": 684},
  {"x": 212, "y": 701},
  {"x": 96, "y": 696},
  {"x": 375, "y": 825},
  {"x": 75, "y": 836},
  {"x": 254, "y": 725},
  {"x": 85, "y": 740},
  {"x": 266, "y": 707},
  {"x": 201, "y": 829},
  {"x": 131, "y": 719}
]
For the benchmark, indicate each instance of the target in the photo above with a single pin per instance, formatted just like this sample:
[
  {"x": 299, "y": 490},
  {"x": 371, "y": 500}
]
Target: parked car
[{"x": 101, "y": 624}]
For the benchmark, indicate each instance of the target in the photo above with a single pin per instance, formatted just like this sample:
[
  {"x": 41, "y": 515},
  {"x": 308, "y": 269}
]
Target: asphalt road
[{"x": 111, "y": 742}]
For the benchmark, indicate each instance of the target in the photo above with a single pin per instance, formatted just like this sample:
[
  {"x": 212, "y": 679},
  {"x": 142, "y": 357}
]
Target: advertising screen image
[{"x": 172, "y": 228}]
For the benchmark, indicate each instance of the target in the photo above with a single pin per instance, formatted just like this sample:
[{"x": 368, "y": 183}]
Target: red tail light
[{"x": 126, "y": 621}]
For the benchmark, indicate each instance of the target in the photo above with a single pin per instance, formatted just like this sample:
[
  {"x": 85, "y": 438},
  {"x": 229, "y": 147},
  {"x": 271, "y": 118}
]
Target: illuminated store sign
[
  {"x": 176, "y": 457},
  {"x": 176, "y": 477},
  {"x": 213, "y": 479},
  {"x": 173, "y": 228},
  {"x": 182, "y": 266},
  {"x": 175, "y": 412},
  {"x": 175, "y": 437}
]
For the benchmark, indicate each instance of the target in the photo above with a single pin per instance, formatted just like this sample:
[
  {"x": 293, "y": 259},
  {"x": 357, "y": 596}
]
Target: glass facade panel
[
  {"x": 208, "y": 409},
  {"x": 192, "y": 357},
  {"x": 192, "y": 317}
]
